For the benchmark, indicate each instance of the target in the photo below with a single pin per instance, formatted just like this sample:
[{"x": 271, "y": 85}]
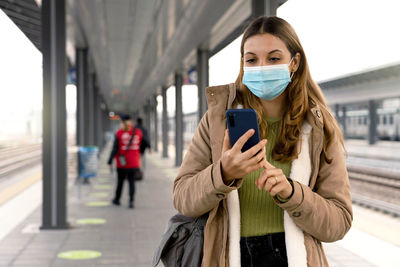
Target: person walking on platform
[
  {"x": 144, "y": 144},
  {"x": 274, "y": 207},
  {"x": 126, "y": 151}
]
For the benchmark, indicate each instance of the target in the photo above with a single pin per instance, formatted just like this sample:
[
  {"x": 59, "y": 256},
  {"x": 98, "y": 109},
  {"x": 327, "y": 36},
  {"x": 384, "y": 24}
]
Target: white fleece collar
[{"x": 295, "y": 247}]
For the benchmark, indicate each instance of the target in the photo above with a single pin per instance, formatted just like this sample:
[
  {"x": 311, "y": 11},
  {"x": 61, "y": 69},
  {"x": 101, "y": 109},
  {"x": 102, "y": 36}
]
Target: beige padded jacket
[{"x": 321, "y": 209}]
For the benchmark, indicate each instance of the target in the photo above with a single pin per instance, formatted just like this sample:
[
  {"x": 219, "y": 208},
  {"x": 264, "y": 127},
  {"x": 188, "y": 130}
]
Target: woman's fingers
[
  {"x": 267, "y": 178},
  {"x": 242, "y": 140},
  {"x": 257, "y": 158},
  {"x": 260, "y": 182},
  {"x": 276, "y": 189},
  {"x": 254, "y": 150}
]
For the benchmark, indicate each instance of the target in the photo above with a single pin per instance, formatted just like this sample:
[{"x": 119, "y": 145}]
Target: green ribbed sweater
[{"x": 259, "y": 215}]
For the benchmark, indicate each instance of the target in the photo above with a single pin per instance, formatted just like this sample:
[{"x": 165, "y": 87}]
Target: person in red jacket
[{"x": 126, "y": 150}]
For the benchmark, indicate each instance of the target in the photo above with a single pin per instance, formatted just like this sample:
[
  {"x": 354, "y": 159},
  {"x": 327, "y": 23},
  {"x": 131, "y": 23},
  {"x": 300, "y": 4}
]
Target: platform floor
[{"x": 129, "y": 237}]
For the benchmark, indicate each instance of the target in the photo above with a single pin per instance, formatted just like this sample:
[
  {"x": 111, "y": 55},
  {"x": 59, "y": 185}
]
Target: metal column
[
  {"x": 164, "y": 123},
  {"x": 202, "y": 80},
  {"x": 372, "y": 131},
  {"x": 155, "y": 114},
  {"x": 178, "y": 120},
  {"x": 81, "y": 72},
  {"x": 89, "y": 110},
  {"x": 54, "y": 207},
  {"x": 97, "y": 118},
  {"x": 104, "y": 125},
  {"x": 94, "y": 118},
  {"x": 147, "y": 116}
]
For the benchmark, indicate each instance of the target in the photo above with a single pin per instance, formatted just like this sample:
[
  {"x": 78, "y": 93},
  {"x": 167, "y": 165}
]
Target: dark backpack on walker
[{"x": 182, "y": 243}]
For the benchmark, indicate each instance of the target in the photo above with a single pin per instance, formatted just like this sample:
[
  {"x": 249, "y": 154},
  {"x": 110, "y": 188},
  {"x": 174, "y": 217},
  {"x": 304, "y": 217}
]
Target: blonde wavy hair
[{"x": 302, "y": 93}]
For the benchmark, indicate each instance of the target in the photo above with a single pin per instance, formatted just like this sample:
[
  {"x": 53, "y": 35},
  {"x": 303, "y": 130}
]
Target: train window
[
  {"x": 359, "y": 120},
  {"x": 384, "y": 120},
  {"x": 365, "y": 120},
  {"x": 391, "y": 119}
]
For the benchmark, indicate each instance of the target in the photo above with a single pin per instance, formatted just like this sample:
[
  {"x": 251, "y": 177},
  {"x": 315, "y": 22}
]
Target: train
[
  {"x": 357, "y": 124},
  {"x": 388, "y": 124}
]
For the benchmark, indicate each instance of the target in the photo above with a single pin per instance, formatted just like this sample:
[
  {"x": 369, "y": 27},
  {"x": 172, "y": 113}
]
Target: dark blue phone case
[{"x": 240, "y": 121}]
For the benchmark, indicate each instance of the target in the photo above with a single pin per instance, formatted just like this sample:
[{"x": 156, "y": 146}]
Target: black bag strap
[
  {"x": 130, "y": 140},
  {"x": 133, "y": 134}
]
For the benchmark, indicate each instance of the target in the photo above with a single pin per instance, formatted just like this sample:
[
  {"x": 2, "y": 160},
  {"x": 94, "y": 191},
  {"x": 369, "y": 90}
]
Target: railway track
[
  {"x": 372, "y": 187},
  {"x": 13, "y": 159},
  {"x": 376, "y": 192}
]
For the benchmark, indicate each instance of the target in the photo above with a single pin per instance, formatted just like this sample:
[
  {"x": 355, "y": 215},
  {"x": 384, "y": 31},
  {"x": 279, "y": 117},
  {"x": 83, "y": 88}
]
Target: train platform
[
  {"x": 110, "y": 235},
  {"x": 382, "y": 150}
]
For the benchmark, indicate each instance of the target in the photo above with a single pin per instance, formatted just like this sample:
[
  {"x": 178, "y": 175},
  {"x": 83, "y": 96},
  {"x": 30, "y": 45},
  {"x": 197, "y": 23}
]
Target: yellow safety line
[{"x": 18, "y": 187}]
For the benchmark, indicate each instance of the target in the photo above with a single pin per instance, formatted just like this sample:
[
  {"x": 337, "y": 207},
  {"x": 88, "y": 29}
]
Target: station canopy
[{"x": 136, "y": 46}]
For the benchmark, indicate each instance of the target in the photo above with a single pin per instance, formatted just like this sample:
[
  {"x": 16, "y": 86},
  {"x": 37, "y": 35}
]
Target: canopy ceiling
[{"x": 136, "y": 46}]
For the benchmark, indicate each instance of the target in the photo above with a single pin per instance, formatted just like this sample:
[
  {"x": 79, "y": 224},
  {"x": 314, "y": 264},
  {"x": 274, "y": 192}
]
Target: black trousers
[
  {"x": 263, "y": 251},
  {"x": 122, "y": 175}
]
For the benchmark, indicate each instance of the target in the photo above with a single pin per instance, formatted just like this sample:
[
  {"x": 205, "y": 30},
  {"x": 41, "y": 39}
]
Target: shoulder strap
[{"x": 130, "y": 140}]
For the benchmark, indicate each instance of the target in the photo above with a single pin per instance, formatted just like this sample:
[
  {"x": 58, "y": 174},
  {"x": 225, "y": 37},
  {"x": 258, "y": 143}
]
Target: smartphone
[{"x": 240, "y": 121}]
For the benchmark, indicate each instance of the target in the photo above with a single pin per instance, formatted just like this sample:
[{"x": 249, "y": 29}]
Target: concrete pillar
[
  {"x": 178, "y": 120},
  {"x": 372, "y": 131},
  {"x": 202, "y": 80},
  {"x": 164, "y": 123},
  {"x": 337, "y": 107},
  {"x": 344, "y": 121},
  {"x": 337, "y": 115},
  {"x": 54, "y": 207},
  {"x": 81, "y": 86},
  {"x": 155, "y": 114}
]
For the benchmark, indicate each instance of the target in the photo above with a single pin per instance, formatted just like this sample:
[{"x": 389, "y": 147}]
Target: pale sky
[{"x": 339, "y": 37}]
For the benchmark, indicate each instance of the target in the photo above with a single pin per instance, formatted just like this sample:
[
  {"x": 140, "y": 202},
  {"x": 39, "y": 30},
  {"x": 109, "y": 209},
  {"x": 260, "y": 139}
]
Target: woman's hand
[
  {"x": 236, "y": 164},
  {"x": 274, "y": 181}
]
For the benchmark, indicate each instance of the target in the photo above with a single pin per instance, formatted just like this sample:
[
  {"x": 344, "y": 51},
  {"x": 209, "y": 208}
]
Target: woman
[
  {"x": 126, "y": 150},
  {"x": 276, "y": 207}
]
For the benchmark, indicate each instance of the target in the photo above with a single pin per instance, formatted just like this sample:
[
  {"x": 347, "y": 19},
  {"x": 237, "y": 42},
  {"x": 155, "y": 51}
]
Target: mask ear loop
[{"x": 291, "y": 75}]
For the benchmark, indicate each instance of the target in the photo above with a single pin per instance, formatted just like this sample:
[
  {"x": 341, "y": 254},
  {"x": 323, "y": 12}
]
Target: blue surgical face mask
[{"x": 267, "y": 82}]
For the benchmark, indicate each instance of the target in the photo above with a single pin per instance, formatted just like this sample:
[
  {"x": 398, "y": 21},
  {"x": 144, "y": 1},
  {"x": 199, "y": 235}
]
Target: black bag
[
  {"x": 138, "y": 175},
  {"x": 182, "y": 243}
]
